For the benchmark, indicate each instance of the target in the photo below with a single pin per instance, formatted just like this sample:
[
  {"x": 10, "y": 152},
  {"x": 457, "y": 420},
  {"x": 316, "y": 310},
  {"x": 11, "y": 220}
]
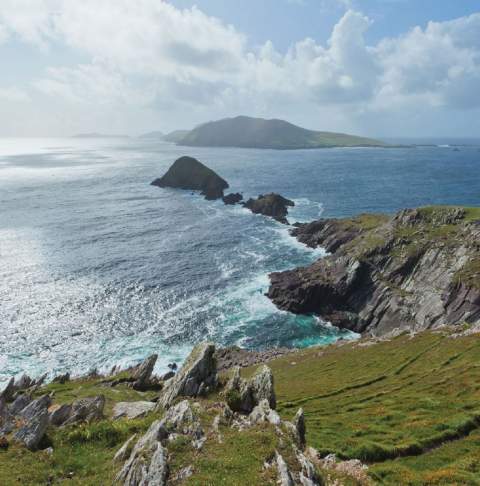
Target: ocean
[{"x": 98, "y": 268}]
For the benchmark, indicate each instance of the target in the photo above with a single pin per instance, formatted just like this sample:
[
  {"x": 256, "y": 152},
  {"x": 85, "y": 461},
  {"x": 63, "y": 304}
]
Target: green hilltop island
[
  {"x": 398, "y": 406},
  {"x": 247, "y": 132}
]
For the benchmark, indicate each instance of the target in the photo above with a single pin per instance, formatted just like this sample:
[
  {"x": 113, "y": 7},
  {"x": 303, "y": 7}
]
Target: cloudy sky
[{"x": 371, "y": 67}]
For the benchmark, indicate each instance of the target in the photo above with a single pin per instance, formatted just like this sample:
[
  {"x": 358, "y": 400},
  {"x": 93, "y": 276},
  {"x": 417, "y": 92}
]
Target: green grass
[
  {"x": 399, "y": 405},
  {"x": 409, "y": 407}
]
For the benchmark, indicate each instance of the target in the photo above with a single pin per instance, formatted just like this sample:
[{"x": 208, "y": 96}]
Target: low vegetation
[{"x": 409, "y": 407}]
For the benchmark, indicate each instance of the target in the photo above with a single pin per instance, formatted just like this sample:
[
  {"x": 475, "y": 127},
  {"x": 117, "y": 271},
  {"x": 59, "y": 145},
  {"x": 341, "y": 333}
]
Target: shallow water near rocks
[{"x": 100, "y": 268}]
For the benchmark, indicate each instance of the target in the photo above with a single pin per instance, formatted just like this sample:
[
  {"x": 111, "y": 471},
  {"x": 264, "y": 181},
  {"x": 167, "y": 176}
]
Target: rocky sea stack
[
  {"x": 189, "y": 173},
  {"x": 415, "y": 271},
  {"x": 272, "y": 205}
]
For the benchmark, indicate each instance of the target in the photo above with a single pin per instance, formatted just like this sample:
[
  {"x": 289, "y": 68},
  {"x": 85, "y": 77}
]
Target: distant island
[
  {"x": 98, "y": 135},
  {"x": 176, "y": 136},
  {"x": 157, "y": 135},
  {"x": 247, "y": 132}
]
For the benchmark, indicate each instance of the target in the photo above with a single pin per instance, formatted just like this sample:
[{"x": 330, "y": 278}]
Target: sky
[{"x": 384, "y": 68}]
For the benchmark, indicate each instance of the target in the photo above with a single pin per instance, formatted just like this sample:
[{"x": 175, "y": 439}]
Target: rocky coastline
[{"x": 414, "y": 271}]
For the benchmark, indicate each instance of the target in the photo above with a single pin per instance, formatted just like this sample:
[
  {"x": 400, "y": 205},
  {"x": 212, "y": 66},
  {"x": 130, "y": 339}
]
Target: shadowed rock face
[
  {"x": 272, "y": 205},
  {"x": 189, "y": 173},
  {"x": 232, "y": 198},
  {"x": 415, "y": 271}
]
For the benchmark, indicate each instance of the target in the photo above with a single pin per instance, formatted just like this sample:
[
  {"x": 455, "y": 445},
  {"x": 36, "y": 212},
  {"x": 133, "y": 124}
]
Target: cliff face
[{"x": 417, "y": 270}]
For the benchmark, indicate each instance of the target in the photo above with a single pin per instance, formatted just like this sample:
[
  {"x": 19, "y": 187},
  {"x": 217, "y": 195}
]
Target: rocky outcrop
[
  {"x": 189, "y": 173},
  {"x": 142, "y": 374},
  {"x": 132, "y": 410},
  {"x": 197, "y": 376},
  {"x": 232, "y": 198},
  {"x": 244, "y": 395},
  {"x": 415, "y": 271},
  {"x": 234, "y": 356},
  {"x": 272, "y": 205}
]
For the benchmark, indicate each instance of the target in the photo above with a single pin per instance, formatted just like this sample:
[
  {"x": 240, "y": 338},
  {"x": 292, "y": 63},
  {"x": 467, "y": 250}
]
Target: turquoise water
[{"x": 100, "y": 268}]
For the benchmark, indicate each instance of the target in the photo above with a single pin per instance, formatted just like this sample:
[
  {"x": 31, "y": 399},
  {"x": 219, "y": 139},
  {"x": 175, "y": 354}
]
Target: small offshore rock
[
  {"x": 272, "y": 205},
  {"x": 189, "y": 173},
  {"x": 232, "y": 198}
]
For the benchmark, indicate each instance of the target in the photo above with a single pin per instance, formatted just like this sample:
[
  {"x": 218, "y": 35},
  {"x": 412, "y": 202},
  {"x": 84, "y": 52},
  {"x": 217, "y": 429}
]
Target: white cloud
[
  {"x": 148, "y": 55},
  {"x": 13, "y": 94}
]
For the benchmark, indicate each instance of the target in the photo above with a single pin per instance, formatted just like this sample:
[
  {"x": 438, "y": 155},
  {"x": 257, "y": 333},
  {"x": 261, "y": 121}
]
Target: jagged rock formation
[
  {"x": 189, "y": 173},
  {"x": 197, "y": 376},
  {"x": 272, "y": 205},
  {"x": 232, "y": 198},
  {"x": 415, "y": 271}
]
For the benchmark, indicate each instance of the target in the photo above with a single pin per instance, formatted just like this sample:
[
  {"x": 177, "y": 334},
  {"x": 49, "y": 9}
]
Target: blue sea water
[{"x": 99, "y": 268}]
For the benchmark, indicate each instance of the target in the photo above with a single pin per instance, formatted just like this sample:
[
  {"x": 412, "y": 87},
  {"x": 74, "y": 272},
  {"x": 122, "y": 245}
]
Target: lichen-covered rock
[
  {"x": 299, "y": 424},
  {"x": 132, "y": 410},
  {"x": 284, "y": 475},
  {"x": 35, "y": 408},
  {"x": 59, "y": 414},
  {"x": 263, "y": 413},
  {"x": 33, "y": 431},
  {"x": 147, "y": 464},
  {"x": 86, "y": 410},
  {"x": 189, "y": 173},
  {"x": 243, "y": 395},
  {"x": 62, "y": 379},
  {"x": 198, "y": 375},
  {"x": 124, "y": 452},
  {"x": 9, "y": 390},
  {"x": 20, "y": 403},
  {"x": 143, "y": 373}
]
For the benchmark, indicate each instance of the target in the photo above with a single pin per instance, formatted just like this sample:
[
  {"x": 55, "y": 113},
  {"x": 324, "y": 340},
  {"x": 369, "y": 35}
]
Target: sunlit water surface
[{"x": 99, "y": 268}]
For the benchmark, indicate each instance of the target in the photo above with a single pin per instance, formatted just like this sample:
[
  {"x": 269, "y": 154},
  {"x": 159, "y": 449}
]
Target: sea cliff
[{"x": 414, "y": 271}]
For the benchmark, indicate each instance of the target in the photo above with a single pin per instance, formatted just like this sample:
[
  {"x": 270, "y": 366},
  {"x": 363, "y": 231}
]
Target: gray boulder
[
  {"x": 9, "y": 390},
  {"x": 263, "y": 413},
  {"x": 20, "y": 403},
  {"x": 300, "y": 428},
  {"x": 197, "y": 376},
  {"x": 284, "y": 475},
  {"x": 86, "y": 410},
  {"x": 244, "y": 395},
  {"x": 144, "y": 372},
  {"x": 181, "y": 419},
  {"x": 59, "y": 414},
  {"x": 132, "y": 410},
  {"x": 33, "y": 431},
  {"x": 36, "y": 407},
  {"x": 147, "y": 464},
  {"x": 124, "y": 452}
]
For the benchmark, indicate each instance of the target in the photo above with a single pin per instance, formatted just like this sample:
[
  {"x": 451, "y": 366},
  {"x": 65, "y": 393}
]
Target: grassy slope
[
  {"x": 406, "y": 397},
  {"x": 406, "y": 406}
]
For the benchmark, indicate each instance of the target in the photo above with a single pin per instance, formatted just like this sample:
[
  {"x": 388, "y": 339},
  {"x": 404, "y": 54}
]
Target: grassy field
[{"x": 409, "y": 407}]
